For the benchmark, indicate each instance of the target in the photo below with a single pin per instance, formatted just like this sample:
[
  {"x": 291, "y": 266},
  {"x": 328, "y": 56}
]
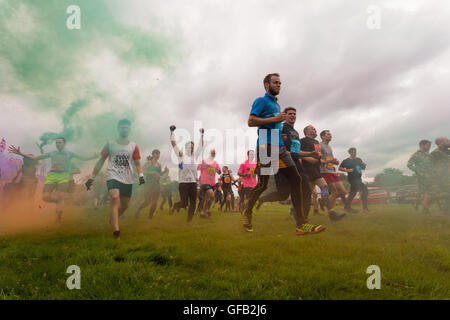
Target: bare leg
[
  {"x": 114, "y": 200},
  {"x": 124, "y": 204}
]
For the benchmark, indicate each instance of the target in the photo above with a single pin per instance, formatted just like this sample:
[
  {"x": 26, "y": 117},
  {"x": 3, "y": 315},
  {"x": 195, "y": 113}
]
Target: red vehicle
[{"x": 376, "y": 196}]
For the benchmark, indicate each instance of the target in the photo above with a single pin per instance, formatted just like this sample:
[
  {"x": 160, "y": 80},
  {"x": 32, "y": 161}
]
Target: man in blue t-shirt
[
  {"x": 354, "y": 166},
  {"x": 267, "y": 116}
]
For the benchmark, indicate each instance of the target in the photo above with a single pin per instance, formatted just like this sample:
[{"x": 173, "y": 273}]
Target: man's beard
[{"x": 272, "y": 91}]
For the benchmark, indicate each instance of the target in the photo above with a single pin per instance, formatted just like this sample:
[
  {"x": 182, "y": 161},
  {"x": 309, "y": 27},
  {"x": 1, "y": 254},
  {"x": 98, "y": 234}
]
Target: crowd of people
[
  {"x": 300, "y": 166},
  {"x": 433, "y": 174}
]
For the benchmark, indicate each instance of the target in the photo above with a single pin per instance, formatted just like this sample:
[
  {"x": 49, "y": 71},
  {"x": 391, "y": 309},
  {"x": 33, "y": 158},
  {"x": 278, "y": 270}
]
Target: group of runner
[
  {"x": 432, "y": 171},
  {"x": 299, "y": 166}
]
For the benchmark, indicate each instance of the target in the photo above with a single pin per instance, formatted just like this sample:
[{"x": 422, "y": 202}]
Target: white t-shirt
[
  {"x": 120, "y": 159},
  {"x": 187, "y": 164},
  {"x": 187, "y": 169}
]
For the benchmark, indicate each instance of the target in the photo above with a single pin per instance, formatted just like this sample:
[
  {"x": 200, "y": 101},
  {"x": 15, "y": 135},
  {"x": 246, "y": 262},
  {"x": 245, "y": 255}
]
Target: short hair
[
  {"x": 289, "y": 109},
  {"x": 269, "y": 77},
  {"x": 305, "y": 129},
  {"x": 248, "y": 152},
  {"x": 352, "y": 149},
  {"x": 424, "y": 142},
  {"x": 155, "y": 151},
  {"x": 324, "y": 132},
  {"x": 224, "y": 167},
  {"x": 61, "y": 138},
  {"x": 123, "y": 121}
]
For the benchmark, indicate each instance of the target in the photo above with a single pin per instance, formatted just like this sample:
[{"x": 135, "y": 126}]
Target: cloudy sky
[{"x": 201, "y": 63}]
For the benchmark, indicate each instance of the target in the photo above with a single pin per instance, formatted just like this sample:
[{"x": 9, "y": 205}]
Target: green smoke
[{"x": 48, "y": 61}]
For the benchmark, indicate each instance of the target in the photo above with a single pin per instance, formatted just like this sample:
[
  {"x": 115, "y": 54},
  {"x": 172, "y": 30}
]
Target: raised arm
[
  {"x": 174, "y": 143},
  {"x": 201, "y": 145},
  {"x": 13, "y": 149}
]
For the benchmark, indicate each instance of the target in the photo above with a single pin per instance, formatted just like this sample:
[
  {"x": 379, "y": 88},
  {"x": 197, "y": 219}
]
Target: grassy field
[{"x": 216, "y": 259}]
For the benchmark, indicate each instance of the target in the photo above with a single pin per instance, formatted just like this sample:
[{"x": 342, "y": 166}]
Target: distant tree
[{"x": 392, "y": 178}]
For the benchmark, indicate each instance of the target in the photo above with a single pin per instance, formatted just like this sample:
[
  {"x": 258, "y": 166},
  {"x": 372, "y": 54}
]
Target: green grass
[{"x": 216, "y": 259}]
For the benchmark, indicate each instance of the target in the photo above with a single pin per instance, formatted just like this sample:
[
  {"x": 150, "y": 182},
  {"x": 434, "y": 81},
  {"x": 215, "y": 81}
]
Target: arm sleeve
[
  {"x": 136, "y": 153},
  {"x": 344, "y": 164},
  {"x": 257, "y": 107},
  {"x": 286, "y": 142},
  {"x": 241, "y": 168}
]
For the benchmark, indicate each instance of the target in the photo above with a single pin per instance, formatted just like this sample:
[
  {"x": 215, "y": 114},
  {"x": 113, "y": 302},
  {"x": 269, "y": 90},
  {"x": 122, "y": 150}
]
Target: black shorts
[
  {"x": 227, "y": 190},
  {"x": 125, "y": 190},
  {"x": 204, "y": 188},
  {"x": 312, "y": 171},
  {"x": 281, "y": 179},
  {"x": 265, "y": 150}
]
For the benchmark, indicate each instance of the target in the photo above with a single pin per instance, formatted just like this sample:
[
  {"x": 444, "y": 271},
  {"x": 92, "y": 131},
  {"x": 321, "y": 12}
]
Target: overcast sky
[{"x": 176, "y": 62}]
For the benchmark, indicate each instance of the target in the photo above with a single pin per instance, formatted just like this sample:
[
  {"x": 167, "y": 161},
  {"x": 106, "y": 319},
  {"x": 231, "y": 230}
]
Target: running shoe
[
  {"x": 247, "y": 223},
  {"x": 336, "y": 216},
  {"x": 116, "y": 235},
  {"x": 368, "y": 211},
  {"x": 308, "y": 228}
]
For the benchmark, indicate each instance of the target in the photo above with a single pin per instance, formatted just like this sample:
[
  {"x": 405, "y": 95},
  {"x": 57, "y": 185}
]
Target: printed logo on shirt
[
  {"x": 295, "y": 146},
  {"x": 318, "y": 148},
  {"x": 211, "y": 171},
  {"x": 121, "y": 160},
  {"x": 330, "y": 165}
]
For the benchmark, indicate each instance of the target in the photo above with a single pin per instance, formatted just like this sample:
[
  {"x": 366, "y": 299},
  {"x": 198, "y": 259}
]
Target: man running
[
  {"x": 328, "y": 172},
  {"x": 291, "y": 140},
  {"x": 420, "y": 164},
  {"x": 226, "y": 181},
  {"x": 57, "y": 180},
  {"x": 152, "y": 170},
  {"x": 119, "y": 173},
  {"x": 312, "y": 167},
  {"x": 354, "y": 166},
  {"x": 267, "y": 116},
  {"x": 248, "y": 177},
  {"x": 440, "y": 162},
  {"x": 208, "y": 170},
  {"x": 187, "y": 174}
]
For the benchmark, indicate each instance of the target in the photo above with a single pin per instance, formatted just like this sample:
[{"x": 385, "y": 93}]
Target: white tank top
[{"x": 120, "y": 158}]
